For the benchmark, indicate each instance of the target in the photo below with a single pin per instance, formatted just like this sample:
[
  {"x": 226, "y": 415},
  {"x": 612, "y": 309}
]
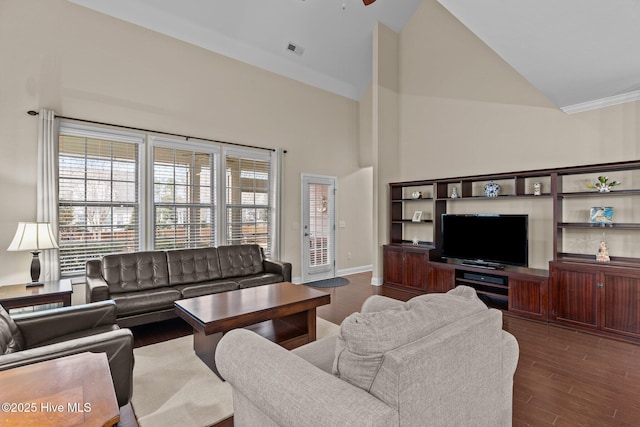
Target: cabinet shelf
[
  {"x": 427, "y": 246},
  {"x": 410, "y": 221},
  {"x": 594, "y": 193},
  {"x": 412, "y": 200},
  {"x": 590, "y": 259},
  {"x": 595, "y": 226},
  {"x": 501, "y": 196}
]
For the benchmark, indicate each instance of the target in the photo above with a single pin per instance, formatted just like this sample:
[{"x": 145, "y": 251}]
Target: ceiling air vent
[{"x": 298, "y": 50}]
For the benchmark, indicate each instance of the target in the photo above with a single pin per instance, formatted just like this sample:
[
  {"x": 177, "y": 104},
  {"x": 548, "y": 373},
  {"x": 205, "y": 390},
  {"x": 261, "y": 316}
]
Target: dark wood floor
[{"x": 564, "y": 377}]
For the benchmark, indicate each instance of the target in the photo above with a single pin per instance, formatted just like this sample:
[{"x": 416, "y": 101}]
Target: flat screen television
[{"x": 486, "y": 239}]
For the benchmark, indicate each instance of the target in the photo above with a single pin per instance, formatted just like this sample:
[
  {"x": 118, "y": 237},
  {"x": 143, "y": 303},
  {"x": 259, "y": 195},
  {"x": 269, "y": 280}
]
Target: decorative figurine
[
  {"x": 537, "y": 188},
  {"x": 603, "y": 253},
  {"x": 415, "y": 241},
  {"x": 454, "y": 193}
]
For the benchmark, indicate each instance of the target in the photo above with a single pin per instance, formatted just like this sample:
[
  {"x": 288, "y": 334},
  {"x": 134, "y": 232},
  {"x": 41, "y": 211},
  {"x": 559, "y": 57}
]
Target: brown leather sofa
[
  {"x": 44, "y": 335},
  {"x": 145, "y": 285}
]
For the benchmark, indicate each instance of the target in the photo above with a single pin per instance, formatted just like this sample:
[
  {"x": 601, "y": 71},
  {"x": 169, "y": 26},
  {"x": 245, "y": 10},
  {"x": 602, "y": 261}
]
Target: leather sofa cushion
[
  {"x": 365, "y": 338},
  {"x": 240, "y": 260},
  {"x": 135, "y": 271},
  {"x": 259, "y": 280},
  {"x": 145, "y": 301},
  {"x": 11, "y": 339},
  {"x": 200, "y": 289},
  {"x": 193, "y": 265}
]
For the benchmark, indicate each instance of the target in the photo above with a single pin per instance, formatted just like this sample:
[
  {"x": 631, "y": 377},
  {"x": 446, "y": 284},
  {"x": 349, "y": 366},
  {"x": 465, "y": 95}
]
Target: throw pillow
[{"x": 365, "y": 337}]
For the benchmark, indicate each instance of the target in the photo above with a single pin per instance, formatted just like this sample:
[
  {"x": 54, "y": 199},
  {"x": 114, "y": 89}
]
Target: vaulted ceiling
[{"x": 582, "y": 54}]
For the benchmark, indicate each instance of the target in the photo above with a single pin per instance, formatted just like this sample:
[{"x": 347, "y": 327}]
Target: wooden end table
[
  {"x": 73, "y": 390},
  {"x": 17, "y": 296},
  {"x": 283, "y": 313}
]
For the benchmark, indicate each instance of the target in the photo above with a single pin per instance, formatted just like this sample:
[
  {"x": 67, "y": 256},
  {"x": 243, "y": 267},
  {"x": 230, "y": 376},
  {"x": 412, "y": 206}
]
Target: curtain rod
[{"x": 187, "y": 137}]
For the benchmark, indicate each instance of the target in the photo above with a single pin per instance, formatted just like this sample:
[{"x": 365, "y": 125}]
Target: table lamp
[{"x": 34, "y": 237}]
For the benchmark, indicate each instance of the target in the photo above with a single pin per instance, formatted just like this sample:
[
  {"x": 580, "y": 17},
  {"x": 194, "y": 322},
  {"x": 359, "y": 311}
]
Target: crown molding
[{"x": 602, "y": 102}]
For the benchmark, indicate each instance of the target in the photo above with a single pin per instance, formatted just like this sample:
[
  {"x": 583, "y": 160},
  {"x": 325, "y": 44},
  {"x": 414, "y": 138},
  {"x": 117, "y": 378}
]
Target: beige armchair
[
  {"x": 436, "y": 360},
  {"x": 45, "y": 335}
]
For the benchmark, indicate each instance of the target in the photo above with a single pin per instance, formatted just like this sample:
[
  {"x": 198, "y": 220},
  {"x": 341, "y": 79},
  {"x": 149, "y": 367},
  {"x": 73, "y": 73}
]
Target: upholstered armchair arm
[
  {"x": 117, "y": 344},
  {"x": 270, "y": 383},
  {"x": 278, "y": 267},
  {"x": 379, "y": 303},
  {"x": 41, "y": 326},
  {"x": 96, "y": 287}
]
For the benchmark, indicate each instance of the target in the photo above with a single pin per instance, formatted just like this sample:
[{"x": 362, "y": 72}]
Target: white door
[{"x": 318, "y": 227}]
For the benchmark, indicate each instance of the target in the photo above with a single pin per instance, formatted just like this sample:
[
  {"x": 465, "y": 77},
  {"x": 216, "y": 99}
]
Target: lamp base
[{"x": 34, "y": 284}]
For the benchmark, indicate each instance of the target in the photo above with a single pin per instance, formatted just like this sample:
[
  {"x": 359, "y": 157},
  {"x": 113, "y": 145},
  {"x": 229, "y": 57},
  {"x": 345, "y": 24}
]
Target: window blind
[
  {"x": 184, "y": 198},
  {"x": 248, "y": 200},
  {"x": 99, "y": 198}
]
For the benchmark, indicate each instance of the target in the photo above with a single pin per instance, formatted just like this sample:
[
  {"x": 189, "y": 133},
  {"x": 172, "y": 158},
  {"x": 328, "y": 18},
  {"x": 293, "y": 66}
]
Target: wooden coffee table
[{"x": 283, "y": 312}]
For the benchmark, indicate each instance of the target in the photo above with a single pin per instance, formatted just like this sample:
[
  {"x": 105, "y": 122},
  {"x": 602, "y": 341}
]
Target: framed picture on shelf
[{"x": 417, "y": 216}]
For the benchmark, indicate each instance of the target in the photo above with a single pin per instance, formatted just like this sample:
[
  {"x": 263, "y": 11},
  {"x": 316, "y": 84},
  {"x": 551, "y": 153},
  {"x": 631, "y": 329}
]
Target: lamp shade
[{"x": 33, "y": 236}]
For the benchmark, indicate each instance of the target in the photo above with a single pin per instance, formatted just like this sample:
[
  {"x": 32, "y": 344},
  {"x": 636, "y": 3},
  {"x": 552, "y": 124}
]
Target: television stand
[{"x": 519, "y": 290}]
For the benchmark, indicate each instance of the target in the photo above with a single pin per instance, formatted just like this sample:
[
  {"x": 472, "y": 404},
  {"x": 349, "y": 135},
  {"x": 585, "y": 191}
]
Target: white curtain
[
  {"x": 277, "y": 160},
  {"x": 47, "y": 189}
]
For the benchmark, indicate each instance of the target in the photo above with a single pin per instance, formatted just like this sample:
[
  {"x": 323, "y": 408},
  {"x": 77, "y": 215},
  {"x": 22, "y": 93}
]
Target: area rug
[
  {"x": 172, "y": 386},
  {"x": 334, "y": 282}
]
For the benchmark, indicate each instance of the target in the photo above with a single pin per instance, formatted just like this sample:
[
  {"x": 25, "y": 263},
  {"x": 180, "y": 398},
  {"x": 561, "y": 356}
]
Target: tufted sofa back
[
  {"x": 240, "y": 260},
  {"x": 135, "y": 271},
  {"x": 193, "y": 265}
]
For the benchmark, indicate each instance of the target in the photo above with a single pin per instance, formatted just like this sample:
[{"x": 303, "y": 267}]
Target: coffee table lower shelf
[{"x": 289, "y": 332}]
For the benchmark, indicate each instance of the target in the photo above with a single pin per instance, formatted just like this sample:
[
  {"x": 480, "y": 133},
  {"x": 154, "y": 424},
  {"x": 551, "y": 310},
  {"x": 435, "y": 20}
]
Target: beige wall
[
  {"x": 464, "y": 111},
  {"x": 81, "y": 63}
]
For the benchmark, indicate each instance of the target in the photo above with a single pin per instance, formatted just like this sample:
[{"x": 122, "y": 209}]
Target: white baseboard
[
  {"x": 376, "y": 281},
  {"x": 355, "y": 270},
  {"x": 341, "y": 272}
]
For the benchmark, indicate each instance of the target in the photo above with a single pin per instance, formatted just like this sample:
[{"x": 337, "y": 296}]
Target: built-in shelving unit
[{"x": 575, "y": 279}]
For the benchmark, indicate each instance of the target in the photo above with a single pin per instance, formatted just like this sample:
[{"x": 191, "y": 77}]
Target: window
[
  {"x": 183, "y": 198},
  {"x": 98, "y": 195},
  {"x": 118, "y": 193},
  {"x": 248, "y": 200}
]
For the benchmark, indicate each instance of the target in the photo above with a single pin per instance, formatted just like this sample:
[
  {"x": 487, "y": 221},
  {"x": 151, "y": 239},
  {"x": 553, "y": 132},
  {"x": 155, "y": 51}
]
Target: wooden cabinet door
[
  {"x": 529, "y": 297},
  {"x": 440, "y": 278},
  {"x": 575, "y": 296},
  {"x": 415, "y": 270},
  {"x": 621, "y": 303},
  {"x": 393, "y": 265}
]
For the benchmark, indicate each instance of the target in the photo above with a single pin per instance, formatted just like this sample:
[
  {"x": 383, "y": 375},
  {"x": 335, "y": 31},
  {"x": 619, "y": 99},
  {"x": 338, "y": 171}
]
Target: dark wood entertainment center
[{"x": 574, "y": 291}]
